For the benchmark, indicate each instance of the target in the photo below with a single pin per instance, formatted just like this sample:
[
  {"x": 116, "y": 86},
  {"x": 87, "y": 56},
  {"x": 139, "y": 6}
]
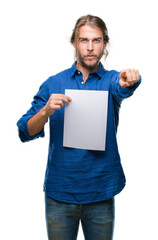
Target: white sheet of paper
[{"x": 85, "y": 119}]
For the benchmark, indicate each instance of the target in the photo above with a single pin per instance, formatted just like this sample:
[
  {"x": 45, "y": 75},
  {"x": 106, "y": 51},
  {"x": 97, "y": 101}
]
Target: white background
[{"x": 34, "y": 44}]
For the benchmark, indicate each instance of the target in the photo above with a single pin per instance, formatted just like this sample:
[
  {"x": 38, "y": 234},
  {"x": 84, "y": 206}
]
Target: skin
[
  {"x": 89, "y": 47},
  {"x": 129, "y": 77}
]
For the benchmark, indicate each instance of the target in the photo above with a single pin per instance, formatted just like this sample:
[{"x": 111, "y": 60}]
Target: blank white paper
[{"x": 85, "y": 119}]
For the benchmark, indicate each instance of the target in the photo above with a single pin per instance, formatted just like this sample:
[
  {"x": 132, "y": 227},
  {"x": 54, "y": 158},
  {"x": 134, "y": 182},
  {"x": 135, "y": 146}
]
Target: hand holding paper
[{"x": 55, "y": 102}]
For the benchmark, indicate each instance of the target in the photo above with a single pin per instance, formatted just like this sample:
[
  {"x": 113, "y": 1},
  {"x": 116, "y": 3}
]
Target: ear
[
  {"x": 105, "y": 44},
  {"x": 74, "y": 44}
]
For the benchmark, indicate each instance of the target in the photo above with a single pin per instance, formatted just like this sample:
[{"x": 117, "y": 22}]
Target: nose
[{"x": 90, "y": 46}]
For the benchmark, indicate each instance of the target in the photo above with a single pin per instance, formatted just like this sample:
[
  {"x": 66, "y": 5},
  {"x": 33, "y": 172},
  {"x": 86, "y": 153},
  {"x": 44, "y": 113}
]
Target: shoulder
[
  {"x": 56, "y": 77},
  {"x": 62, "y": 73},
  {"x": 110, "y": 75},
  {"x": 106, "y": 73},
  {"x": 54, "y": 83}
]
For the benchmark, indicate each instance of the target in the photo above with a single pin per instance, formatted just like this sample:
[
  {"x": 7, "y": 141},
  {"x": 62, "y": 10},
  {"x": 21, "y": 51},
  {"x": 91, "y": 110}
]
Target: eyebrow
[
  {"x": 84, "y": 38},
  {"x": 81, "y": 38},
  {"x": 98, "y": 38}
]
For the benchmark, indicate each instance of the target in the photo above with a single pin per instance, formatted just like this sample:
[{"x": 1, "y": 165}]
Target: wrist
[{"x": 44, "y": 112}]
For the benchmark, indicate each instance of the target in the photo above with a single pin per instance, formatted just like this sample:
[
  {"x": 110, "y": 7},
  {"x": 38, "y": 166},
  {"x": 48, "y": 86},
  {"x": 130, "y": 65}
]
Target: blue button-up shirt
[{"x": 77, "y": 175}]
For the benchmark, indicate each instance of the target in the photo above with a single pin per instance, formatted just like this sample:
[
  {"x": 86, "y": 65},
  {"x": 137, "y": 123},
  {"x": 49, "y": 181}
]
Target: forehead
[{"x": 90, "y": 32}]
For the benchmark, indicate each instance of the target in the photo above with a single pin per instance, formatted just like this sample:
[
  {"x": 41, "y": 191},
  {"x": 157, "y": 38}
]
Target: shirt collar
[{"x": 101, "y": 70}]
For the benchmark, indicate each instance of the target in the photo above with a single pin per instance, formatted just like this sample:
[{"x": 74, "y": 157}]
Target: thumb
[{"x": 123, "y": 75}]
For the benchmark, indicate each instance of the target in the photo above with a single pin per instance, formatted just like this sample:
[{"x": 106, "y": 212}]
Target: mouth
[{"x": 90, "y": 57}]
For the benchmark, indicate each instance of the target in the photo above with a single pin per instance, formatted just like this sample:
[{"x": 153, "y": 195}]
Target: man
[{"x": 80, "y": 184}]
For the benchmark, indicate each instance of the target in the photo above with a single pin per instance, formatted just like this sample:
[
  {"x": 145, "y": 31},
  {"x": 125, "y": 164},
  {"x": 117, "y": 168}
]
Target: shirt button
[
  {"x": 79, "y": 72},
  {"x": 82, "y": 82}
]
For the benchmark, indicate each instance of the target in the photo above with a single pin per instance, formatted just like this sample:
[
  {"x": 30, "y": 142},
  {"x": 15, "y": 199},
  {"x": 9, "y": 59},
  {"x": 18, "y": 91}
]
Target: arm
[{"x": 36, "y": 124}]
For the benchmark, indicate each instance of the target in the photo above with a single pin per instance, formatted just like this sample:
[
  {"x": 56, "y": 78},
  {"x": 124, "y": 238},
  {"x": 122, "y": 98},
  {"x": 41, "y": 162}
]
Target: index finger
[
  {"x": 62, "y": 97},
  {"x": 65, "y": 98},
  {"x": 123, "y": 74}
]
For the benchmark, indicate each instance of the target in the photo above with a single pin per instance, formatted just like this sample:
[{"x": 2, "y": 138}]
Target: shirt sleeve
[
  {"x": 39, "y": 101},
  {"x": 120, "y": 93}
]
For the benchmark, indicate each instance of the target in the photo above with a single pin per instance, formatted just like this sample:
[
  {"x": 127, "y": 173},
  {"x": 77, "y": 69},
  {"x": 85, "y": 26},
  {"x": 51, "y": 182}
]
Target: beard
[{"x": 91, "y": 65}]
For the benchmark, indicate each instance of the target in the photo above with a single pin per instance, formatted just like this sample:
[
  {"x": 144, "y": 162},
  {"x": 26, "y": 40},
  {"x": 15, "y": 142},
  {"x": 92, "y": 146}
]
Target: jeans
[{"x": 62, "y": 219}]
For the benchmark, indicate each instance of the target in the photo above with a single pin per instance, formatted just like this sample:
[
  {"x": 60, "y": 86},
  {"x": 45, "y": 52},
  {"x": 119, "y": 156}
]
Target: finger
[
  {"x": 62, "y": 97},
  {"x": 69, "y": 98},
  {"x": 129, "y": 75},
  {"x": 57, "y": 102},
  {"x": 66, "y": 98},
  {"x": 55, "y": 107},
  {"x": 137, "y": 75},
  {"x": 123, "y": 75},
  {"x": 133, "y": 73},
  {"x": 124, "y": 84},
  {"x": 133, "y": 77}
]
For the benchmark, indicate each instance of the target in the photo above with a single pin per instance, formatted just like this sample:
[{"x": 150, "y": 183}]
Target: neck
[{"x": 86, "y": 71}]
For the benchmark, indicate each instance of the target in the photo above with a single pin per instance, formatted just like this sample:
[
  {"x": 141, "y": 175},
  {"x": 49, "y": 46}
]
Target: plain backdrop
[{"x": 34, "y": 44}]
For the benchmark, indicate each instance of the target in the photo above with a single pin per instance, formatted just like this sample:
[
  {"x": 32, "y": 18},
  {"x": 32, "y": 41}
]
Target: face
[{"x": 89, "y": 47}]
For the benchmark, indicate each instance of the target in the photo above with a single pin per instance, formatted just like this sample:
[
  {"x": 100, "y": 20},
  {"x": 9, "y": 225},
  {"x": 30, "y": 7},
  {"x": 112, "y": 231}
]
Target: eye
[
  {"x": 83, "y": 40},
  {"x": 97, "y": 40}
]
